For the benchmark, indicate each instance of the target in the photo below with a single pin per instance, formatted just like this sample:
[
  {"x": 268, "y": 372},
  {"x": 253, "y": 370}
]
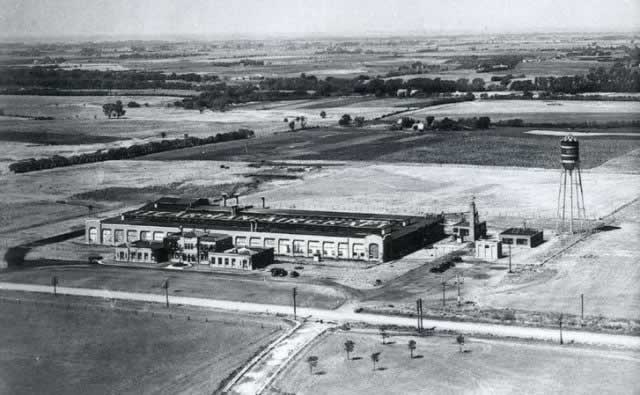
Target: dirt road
[{"x": 346, "y": 315}]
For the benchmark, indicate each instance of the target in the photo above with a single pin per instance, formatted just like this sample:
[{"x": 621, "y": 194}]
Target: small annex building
[
  {"x": 522, "y": 237},
  {"x": 488, "y": 249},
  {"x": 141, "y": 251}
]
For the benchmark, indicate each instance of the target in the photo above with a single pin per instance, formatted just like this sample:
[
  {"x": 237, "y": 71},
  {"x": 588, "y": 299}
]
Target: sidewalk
[{"x": 264, "y": 370}]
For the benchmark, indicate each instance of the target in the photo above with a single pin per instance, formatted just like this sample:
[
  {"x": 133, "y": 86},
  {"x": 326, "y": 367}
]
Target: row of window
[
  {"x": 134, "y": 256},
  {"x": 118, "y": 236},
  {"x": 519, "y": 241}
]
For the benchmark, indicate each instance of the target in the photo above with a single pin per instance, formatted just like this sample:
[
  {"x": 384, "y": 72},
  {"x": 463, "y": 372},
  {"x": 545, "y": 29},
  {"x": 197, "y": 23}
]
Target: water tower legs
[{"x": 576, "y": 210}]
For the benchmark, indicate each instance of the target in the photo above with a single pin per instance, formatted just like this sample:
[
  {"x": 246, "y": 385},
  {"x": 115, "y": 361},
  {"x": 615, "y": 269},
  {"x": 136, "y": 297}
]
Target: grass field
[
  {"x": 495, "y": 147},
  {"x": 537, "y": 110},
  {"x": 496, "y": 367},
  {"x": 255, "y": 287},
  {"x": 67, "y": 345}
]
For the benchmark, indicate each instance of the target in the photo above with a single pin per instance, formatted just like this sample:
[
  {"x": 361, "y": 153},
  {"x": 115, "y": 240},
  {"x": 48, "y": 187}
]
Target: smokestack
[{"x": 263, "y": 202}]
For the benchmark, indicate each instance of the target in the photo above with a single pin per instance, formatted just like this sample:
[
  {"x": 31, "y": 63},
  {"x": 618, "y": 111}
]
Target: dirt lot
[
  {"x": 489, "y": 366},
  {"x": 69, "y": 346}
]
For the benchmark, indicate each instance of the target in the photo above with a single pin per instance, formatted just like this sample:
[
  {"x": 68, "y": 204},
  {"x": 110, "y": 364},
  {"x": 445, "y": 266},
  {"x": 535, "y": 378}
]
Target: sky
[{"x": 264, "y": 18}]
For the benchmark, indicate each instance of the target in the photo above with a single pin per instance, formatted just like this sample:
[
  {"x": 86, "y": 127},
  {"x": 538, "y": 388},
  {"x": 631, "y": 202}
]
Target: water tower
[{"x": 570, "y": 211}]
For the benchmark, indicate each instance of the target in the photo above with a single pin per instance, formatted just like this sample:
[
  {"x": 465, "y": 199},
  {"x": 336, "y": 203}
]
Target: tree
[
  {"x": 163, "y": 134},
  {"x": 113, "y": 109},
  {"x": 483, "y": 123},
  {"x": 460, "y": 340},
  {"x": 359, "y": 121},
  {"x": 430, "y": 120},
  {"x": 313, "y": 362},
  {"x": 348, "y": 347},
  {"x": 323, "y": 114},
  {"x": 345, "y": 120},
  {"x": 286, "y": 120},
  {"x": 375, "y": 358},
  {"x": 412, "y": 347},
  {"x": 292, "y": 125},
  {"x": 384, "y": 335},
  {"x": 133, "y": 104}
]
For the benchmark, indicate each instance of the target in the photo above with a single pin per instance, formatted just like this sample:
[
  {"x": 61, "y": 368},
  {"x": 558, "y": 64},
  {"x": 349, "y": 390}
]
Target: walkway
[{"x": 262, "y": 371}]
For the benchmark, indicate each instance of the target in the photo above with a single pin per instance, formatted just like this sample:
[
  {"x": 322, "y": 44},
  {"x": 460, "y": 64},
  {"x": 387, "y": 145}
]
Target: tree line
[
  {"x": 130, "y": 152},
  {"x": 55, "y": 78}
]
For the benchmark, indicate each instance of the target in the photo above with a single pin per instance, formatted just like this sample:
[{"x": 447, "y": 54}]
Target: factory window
[
  {"x": 93, "y": 235},
  {"x": 314, "y": 247},
  {"x": 522, "y": 242},
  {"x": 119, "y": 235},
  {"x": 507, "y": 240},
  {"x": 374, "y": 251},
  {"x": 244, "y": 263},
  {"x": 255, "y": 242},
  {"x": 158, "y": 236},
  {"x": 298, "y": 247},
  {"x": 241, "y": 241},
  {"x": 106, "y": 236},
  {"x": 146, "y": 256},
  {"x": 213, "y": 260},
  {"x": 226, "y": 261},
  {"x": 269, "y": 243},
  {"x": 358, "y": 250},
  {"x": 219, "y": 261},
  {"x": 455, "y": 230},
  {"x": 233, "y": 261},
  {"x": 132, "y": 236},
  {"x": 464, "y": 232},
  {"x": 343, "y": 250},
  {"x": 122, "y": 256},
  {"x": 139, "y": 256},
  {"x": 328, "y": 248},
  {"x": 145, "y": 235},
  {"x": 284, "y": 247}
]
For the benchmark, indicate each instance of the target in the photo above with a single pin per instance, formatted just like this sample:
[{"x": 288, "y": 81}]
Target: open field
[
  {"x": 72, "y": 345},
  {"x": 537, "y": 110},
  {"x": 494, "y": 147},
  {"x": 255, "y": 287},
  {"x": 489, "y": 366}
]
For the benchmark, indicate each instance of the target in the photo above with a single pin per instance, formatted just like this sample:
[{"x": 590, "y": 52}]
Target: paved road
[{"x": 345, "y": 315}]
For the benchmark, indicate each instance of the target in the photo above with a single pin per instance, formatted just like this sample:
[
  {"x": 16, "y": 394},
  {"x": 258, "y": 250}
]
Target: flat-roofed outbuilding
[{"x": 522, "y": 237}]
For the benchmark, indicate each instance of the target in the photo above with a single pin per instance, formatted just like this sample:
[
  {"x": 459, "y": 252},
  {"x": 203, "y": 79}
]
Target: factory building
[
  {"x": 141, "y": 251},
  {"x": 294, "y": 233},
  {"x": 470, "y": 228}
]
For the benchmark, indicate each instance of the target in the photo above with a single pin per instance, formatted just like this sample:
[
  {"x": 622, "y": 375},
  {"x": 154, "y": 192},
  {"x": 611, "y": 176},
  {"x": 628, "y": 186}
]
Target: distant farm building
[
  {"x": 293, "y": 233},
  {"x": 522, "y": 237}
]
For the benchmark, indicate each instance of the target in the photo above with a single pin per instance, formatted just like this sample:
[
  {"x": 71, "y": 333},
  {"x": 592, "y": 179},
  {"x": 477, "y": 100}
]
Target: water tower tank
[{"x": 569, "y": 152}]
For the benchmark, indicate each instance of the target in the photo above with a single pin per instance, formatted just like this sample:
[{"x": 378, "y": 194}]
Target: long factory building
[{"x": 293, "y": 233}]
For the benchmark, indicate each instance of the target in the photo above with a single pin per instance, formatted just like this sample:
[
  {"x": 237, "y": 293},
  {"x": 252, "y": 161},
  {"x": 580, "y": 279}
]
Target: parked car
[
  {"x": 279, "y": 272},
  {"x": 294, "y": 274},
  {"x": 95, "y": 259}
]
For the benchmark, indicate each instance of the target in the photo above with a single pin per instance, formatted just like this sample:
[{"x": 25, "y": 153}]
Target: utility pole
[
  {"x": 510, "y": 271},
  {"x": 582, "y": 307},
  {"x": 561, "y": 341},
  {"x": 295, "y": 292},
  {"x": 54, "y": 283},
  {"x": 165, "y": 285},
  {"x": 444, "y": 283},
  {"x": 458, "y": 279},
  {"x": 419, "y": 314}
]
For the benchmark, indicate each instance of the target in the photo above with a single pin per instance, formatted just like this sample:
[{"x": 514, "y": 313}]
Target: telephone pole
[
  {"x": 510, "y": 271},
  {"x": 165, "y": 285},
  {"x": 458, "y": 279},
  {"x": 54, "y": 283},
  {"x": 419, "y": 314},
  {"x": 295, "y": 292},
  {"x": 582, "y": 307},
  {"x": 561, "y": 341},
  {"x": 444, "y": 283}
]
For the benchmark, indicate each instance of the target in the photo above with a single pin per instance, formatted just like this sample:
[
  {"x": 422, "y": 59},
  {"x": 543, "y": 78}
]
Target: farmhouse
[{"x": 295, "y": 233}]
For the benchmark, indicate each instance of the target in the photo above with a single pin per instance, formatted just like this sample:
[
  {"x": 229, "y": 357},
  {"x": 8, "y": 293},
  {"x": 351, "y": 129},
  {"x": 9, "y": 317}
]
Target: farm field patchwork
[
  {"x": 494, "y": 147},
  {"x": 68, "y": 345},
  {"x": 498, "y": 367}
]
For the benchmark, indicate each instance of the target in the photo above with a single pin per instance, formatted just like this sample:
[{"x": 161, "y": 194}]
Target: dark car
[
  {"x": 95, "y": 259},
  {"x": 278, "y": 272},
  {"x": 294, "y": 274}
]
